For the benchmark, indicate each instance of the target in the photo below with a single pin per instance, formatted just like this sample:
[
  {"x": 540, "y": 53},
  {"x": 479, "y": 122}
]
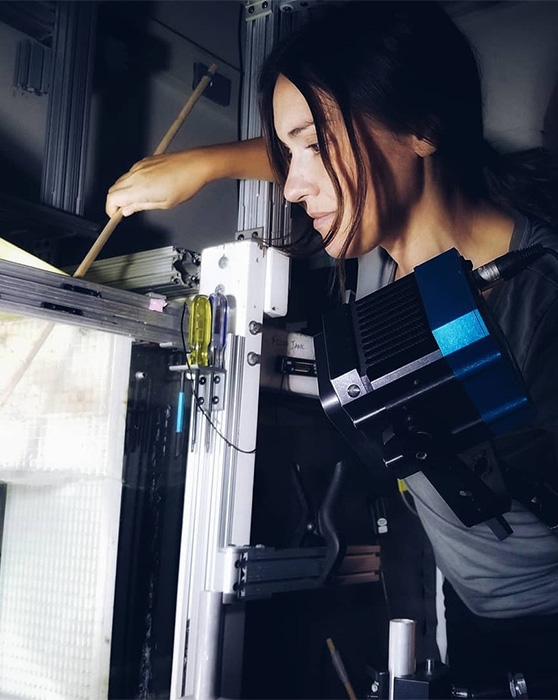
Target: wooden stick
[
  {"x": 185, "y": 111},
  {"x": 20, "y": 371},
  {"x": 340, "y": 668},
  {"x": 105, "y": 234},
  {"x": 116, "y": 218}
]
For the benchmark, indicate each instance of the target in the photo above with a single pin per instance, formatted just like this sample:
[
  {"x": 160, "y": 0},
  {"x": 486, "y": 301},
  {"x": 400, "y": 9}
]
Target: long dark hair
[{"x": 407, "y": 66}]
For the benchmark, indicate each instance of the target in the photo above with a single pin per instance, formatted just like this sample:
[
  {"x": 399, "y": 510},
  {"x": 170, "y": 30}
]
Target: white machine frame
[{"x": 219, "y": 481}]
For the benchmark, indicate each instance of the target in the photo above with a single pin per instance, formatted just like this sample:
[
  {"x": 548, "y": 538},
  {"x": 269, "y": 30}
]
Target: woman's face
[{"x": 390, "y": 190}]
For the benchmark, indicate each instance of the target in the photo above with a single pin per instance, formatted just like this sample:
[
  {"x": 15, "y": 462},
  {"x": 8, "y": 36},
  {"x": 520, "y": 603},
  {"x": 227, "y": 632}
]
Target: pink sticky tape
[{"x": 156, "y": 304}]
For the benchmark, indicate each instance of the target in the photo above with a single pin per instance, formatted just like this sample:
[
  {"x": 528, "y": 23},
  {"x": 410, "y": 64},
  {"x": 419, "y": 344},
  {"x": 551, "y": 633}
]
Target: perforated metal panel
[{"x": 61, "y": 444}]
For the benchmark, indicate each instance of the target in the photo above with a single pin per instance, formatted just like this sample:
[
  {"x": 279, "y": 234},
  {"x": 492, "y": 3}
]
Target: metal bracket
[
  {"x": 32, "y": 68},
  {"x": 257, "y": 8},
  {"x": 211, "y": 387},
  {"x": 259, "y": 572},
  {"x": 209, "y": 383},
  {"x": 256, "y": 232}
]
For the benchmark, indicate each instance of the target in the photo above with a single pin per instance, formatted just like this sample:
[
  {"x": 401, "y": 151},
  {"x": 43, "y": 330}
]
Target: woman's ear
[{"x": 422, "y": 147}]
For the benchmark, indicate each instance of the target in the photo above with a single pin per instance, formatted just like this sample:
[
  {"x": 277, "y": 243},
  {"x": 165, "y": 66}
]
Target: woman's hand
[
  {"x": 162, "y": 182},
  {"x": 159, "y": 182}
]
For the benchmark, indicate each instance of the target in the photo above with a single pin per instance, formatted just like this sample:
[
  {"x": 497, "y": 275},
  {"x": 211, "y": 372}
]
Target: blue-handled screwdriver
[
  {"x": 219, "y": 322},
  {"x": 219, "y": 317}
]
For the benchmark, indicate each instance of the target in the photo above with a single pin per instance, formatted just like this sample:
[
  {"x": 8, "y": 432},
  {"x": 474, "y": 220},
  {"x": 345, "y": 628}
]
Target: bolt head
[
  {"x": 353, "y": 390},
  {"x": 253, "y": 358}
]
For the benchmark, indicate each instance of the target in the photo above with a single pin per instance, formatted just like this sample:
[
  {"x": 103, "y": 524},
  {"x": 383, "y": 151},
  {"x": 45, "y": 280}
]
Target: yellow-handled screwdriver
[
  {"x": 199, "y": 333},
  {"x": 199, "y": 337}
]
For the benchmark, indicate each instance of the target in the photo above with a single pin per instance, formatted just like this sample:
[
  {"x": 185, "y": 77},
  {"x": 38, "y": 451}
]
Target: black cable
[
  {"x": 197, "y": 398},
  {"x": 384, "y": 592},
  {"x": 508, "y": 265}
]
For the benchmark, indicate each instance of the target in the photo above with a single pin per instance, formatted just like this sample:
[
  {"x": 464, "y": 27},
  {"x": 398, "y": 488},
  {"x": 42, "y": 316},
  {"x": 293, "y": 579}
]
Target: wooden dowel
[
  {"x": 100, "y": 241},
  {"x": 20, "y": 371},
  {"x": 185, "y": 111},
  {"x": 116, "y": 218},
  {"x": 340, "y": 669}
]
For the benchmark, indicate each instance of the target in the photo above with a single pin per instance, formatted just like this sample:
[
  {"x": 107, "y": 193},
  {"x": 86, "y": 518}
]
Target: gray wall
[
  {"x": 518, "y": 47},
  {"x": 209, "y": 23},
  {"x": 184, "y": 32}
]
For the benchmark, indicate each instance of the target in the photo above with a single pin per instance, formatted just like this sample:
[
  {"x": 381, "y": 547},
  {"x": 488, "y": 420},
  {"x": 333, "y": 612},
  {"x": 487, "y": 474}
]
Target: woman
[{"x": 372, "y": 121}]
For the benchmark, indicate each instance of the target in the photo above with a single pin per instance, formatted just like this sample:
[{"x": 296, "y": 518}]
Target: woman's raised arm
[{"x": 162, "y": 182}]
